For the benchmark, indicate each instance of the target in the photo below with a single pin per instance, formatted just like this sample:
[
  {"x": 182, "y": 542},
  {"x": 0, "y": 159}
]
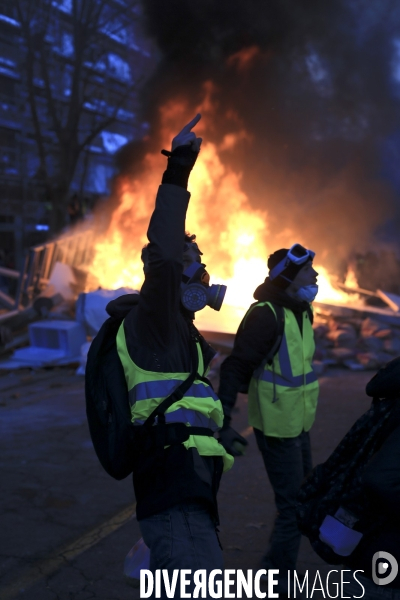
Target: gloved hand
[
  {"x": 232, "y": 441},
  {"x": 185, "y": 149},
  {"x": 187, "y": 137}
]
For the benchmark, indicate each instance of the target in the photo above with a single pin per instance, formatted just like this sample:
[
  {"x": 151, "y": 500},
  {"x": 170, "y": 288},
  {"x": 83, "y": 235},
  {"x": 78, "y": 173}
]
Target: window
[
  {"x": 63, "y": 5},
  {"x": 118, "y": 67},
  {"x": 113, "y": 141},
  {"x": 98, "y": 178}
]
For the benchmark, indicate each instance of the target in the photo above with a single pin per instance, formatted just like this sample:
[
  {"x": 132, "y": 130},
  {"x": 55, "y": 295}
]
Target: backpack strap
[
  {"x": 280, "y": 321},
  {"x": 166, "y": 434},
  {"x": 180, "y": 391}
]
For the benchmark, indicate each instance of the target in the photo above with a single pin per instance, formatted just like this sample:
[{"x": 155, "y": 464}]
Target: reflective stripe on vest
[
  {"x": 145, "y": 391},
  {"x": 283, "y": 395},
  {"x": 286, "y": 378},
  {"x": 158, "y": 389},
  {"x": 199, "y": 407}
]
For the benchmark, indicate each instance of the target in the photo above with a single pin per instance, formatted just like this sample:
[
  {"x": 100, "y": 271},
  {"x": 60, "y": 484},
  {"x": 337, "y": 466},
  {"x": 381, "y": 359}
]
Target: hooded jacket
[
  {"x": 158, "y": 339},
  {"x": 253, "y": 343}
]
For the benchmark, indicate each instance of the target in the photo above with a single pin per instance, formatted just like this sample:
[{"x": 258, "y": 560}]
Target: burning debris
[
  {"x": 355, "y": 343},
  {"x": 236, "y": 238},
  {"x": 232, "y": 233},
  {"x": 355, "y": 337},
  {"x": 235, "y": 235},
  {"x": 348, "y": 331}
]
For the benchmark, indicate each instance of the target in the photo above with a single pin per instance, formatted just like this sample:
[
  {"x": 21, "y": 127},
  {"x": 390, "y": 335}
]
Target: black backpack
[
  {"x": 115, "y": 439},
  {"x": 338, "y": 481},
  {"x": 107, "y": 402}
]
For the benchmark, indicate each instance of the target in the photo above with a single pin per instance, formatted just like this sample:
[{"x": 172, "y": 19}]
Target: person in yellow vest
[
  {"x": 179, "y": 462},
  {"x": 273, "y": 349}
]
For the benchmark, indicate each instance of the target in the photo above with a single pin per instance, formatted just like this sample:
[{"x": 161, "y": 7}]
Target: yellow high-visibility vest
[
  {"x": 200, "y": 406},
  {"x": 283, "y": 395}
]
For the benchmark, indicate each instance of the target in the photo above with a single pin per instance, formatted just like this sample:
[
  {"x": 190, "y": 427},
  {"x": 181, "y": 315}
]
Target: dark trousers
[
  {"x": 287, "y": 461},
  {"x": 182, "y": 537}
]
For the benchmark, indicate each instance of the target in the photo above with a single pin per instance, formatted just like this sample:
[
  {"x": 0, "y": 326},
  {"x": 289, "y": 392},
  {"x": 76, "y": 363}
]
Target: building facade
[{"x": 56, "y": 86}]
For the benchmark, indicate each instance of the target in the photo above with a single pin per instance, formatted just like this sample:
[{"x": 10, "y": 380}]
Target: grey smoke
[{"x": 320, "y": 98}]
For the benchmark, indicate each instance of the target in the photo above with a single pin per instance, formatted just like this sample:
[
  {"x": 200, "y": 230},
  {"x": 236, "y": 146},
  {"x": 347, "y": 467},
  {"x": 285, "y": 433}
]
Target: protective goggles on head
[
  {"x": 196, "y": 292},
  {"x": 297, "y": 255}
]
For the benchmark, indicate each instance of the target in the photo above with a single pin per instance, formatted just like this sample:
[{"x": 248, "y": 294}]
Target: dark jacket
[
  {"x": 254, "y": 341},
  {"x": 381, "y": 484},
  {"x": 157, "y": 336}
]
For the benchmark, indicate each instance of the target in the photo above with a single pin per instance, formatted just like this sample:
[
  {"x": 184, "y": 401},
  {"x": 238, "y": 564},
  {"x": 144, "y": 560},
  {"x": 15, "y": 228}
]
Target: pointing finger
[{"x": 191, "y": 123}]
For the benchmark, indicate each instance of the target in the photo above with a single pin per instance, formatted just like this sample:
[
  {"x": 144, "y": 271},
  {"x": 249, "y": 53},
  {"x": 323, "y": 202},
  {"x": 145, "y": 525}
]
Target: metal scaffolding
[{"x": 75, "y": 250}]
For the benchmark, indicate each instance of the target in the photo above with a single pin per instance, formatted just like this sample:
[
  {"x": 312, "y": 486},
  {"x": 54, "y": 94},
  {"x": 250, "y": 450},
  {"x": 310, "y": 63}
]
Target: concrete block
[{"x": 64, "y": 336}]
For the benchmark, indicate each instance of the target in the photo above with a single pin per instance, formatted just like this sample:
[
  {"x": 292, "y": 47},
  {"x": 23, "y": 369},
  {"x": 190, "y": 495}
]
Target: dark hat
[
  {"x": 386, "y": 382},
  {"x": 288, "y": 274}
]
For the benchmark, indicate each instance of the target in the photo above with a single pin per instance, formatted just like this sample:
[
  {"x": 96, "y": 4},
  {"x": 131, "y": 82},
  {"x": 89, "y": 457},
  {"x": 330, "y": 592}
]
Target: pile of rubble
[
  {"x": 56, "y": 328},
  {"x": 59, "y": 322},
  {"x": 356, "y": 342}
]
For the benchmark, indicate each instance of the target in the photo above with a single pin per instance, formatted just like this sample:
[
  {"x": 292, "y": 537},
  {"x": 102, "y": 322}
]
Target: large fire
[
  {"x": 232, "y": 235},
  {"x": 328, "y": 292}
]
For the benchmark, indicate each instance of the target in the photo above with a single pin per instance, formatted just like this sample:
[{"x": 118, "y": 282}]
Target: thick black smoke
[{"x": 314, "y": 84}]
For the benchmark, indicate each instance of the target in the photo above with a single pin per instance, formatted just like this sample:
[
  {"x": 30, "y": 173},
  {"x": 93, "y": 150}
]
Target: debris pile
[
  {"x": 60, "y": 325},
  {"x": 55, "y": 320},
  {"x": 356, "y": 342}
]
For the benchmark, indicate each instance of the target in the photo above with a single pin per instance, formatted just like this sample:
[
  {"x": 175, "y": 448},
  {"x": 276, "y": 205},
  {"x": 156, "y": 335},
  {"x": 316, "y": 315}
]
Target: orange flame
[
  {"x": 232, "y": 234},
  {"x": 351, "y": 279},
  {"x": 327, "y": 292}
]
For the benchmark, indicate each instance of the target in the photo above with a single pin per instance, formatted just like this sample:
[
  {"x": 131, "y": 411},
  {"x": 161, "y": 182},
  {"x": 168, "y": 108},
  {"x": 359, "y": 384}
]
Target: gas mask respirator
[{"x": 196, "y": 292}]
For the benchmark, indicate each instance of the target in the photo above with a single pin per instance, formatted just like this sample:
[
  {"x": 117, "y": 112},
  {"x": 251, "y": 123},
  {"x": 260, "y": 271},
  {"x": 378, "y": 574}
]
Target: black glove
[
  {"x": 180, "y": 162},
  {"x": 232, "y": 441}
]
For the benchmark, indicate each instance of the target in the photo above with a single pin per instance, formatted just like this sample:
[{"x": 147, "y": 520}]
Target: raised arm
[{"x": 160, "y": 293}]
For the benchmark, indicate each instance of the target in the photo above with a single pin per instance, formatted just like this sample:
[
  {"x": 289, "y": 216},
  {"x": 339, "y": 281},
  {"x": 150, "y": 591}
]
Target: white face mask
[{"x": 307, "y": 293}]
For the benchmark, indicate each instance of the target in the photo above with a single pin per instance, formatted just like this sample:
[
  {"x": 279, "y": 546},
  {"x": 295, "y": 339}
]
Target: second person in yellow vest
[{"x": 273, "y": 349}]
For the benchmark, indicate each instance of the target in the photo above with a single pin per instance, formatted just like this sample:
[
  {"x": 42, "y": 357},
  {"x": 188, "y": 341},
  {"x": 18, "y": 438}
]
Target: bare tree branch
[
  {"x": 30, "y": 76},
  {"x": 106, "y": 122},
  {"x": 92, "y": 26},
  {"x": 49, "y": 95}
]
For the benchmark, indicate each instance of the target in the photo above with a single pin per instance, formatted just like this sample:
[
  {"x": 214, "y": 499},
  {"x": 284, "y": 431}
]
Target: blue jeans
[
  {"x": 182, "y": 537},
  {"x": 287, "y": 462}
]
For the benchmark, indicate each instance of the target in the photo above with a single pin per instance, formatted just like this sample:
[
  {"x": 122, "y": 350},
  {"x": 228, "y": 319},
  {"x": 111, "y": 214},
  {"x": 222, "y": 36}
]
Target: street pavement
[{"x": 66, "y": 526}]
